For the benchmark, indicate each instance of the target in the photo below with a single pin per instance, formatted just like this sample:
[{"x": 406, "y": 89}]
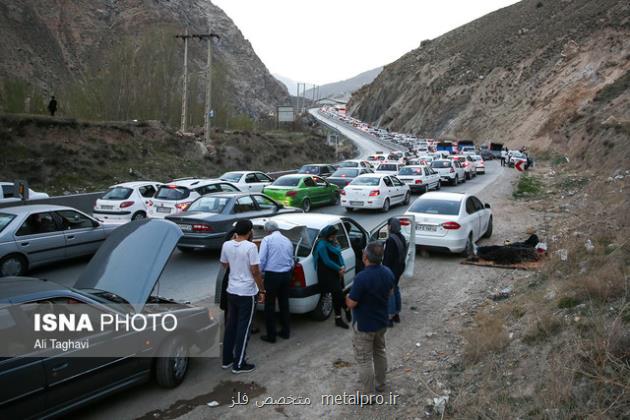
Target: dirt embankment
[{"x": 65, "y": 155}]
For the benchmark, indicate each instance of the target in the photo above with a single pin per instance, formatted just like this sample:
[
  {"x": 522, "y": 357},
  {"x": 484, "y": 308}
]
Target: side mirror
[
  {"x": 487, "y": 206},
  {"x": 95, "y": 223}
]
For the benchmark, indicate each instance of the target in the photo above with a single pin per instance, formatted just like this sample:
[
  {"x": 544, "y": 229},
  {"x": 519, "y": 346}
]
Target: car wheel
[
  {"x": 172, "y": 362},
  {"x": 306, "y": 205},
  {"x": 186, "y": 250},
  {"x": 139, "y": 216},
  {"x": 469, "y": 251},
  {"x": 324, "y": 308},
  {"x": 336, "y": 199},
  {"x": 386, "y": 205},
  {"x": 468, "y": 176},
  {"x": 408, "y": 197},
  {"x": 438, "y": 186},
  {"x": 349, "y": 209},
  {"x": 489, "y": 229},
  {"x": 13, "y": 265},
  {"x": 455, "y": 180}
]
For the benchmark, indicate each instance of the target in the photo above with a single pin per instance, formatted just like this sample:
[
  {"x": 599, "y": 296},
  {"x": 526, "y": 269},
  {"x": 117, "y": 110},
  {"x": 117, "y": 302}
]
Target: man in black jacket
[{"x": 394, "y": 258}]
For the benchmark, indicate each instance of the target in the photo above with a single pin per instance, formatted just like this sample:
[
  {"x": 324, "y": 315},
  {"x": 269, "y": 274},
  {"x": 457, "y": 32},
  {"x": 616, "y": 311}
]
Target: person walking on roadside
[
  {"x": 503, "y": 156},
  {"x": 330, "y": 268},
  {"x": 368, "y": 300},
  {"x": 245, "y": 282},
  {"x": 52, "y": 106},
  {"x": 395, "y": 258},
  {"x": 276, "y": 263}
]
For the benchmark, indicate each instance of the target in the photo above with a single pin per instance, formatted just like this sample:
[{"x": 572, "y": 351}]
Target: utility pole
[
  {"x": 185, "y": 87},
  {"x": 314, "y": 87}
]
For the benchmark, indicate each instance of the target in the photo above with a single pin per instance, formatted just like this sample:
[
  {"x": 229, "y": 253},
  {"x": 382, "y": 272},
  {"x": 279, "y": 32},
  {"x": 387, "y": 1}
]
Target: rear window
[
  {"x": 309, "y": 169},
  {"x": 431, "y": 206},
  {"x": 5, "y": 219},
  {"x": 366, "y": 181},
  {"x": 118, "y": 193},
  {"x": 410, "y": 171},
  {"x": 349, "y": 164},
  {"x": 440, "y": 164},
  {"x": 290, "y": 181},
  {"x": 171, "y": 192},
  {"x": 387, "y": 167},
  {"x": 346, "y": 173},
  {"x": 232, "y": 177},
  {"x": 209, "y": 204}
]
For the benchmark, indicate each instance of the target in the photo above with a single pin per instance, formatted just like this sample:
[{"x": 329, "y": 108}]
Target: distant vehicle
[
  {"x": 487, "y": 155},
  {"x": 375, "y": 191},
  {"x": 450, "y": 222},
  {"x": 303, "y": 191},
  {"x": 125, "y": 202},
  {"x": 496, "y": 148},
  {"x": 209, "y": 220},
  {"x": 303, "y": 230},
  {"x": 389, "y": 168},
  {"x": 8, "y": 193},
  {"x": 479, "y": 164},
  {"x": 466, "y": 146},
  {"x": 467, "y": 163},
  {"x": 37, "y": 234},
  {"x": 176, "y": 196},
  {"x": 446, "y": 146},
  {"x": 420, "y": 178},
  {"x": 355, "y": 163},
  {"x": 51, "y": 382},
  {"x": 252, "y": 181},
  {"x": 319, "y": 169},
  {"x": 376, "y": 158},
  {"x": 342, "y": 176},
  {"x": 516, "y": 156},
  {"x": 450, "y": 171}
]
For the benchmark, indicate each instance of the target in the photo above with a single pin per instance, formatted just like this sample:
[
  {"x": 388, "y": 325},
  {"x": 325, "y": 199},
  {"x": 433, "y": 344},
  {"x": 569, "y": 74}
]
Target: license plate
[
  {"x": 356, "y": 203},
  {"x": 407, "y": 181},
  {"x": 426, "y": 228},
  {"x": 185, "y": 228},
  {"x": 163, "y": 209},
  {"x": 107, "y": 207}
]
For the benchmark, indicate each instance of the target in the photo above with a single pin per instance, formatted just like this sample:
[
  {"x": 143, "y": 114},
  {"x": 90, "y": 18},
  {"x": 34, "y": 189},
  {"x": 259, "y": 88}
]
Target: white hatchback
[
  {"x": 374, "y": 191},
  {"x": 420, "y": 178},
  {"x": 389, "y": 168},
  {"x": 252, "y": 181},
  {"x": 450, "y": 222},
  {"x": 125, "y": 202},
  {"x": 450, "y": 171}
]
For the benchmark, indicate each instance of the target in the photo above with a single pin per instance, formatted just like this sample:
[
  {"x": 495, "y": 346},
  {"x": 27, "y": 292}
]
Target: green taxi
[{"x": 303, "y": 191}]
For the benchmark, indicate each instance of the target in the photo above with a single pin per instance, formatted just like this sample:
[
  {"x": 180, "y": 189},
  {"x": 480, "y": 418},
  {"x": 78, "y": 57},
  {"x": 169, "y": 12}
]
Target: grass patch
[
  {"x": 568, "y": 302},
  {"x": 542, "y": 328},
  {"x": 527, "y": 186},
  {"x": 488, "y": 336}
]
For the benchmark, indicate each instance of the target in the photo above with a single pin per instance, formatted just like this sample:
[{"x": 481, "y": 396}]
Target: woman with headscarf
[
  {"x": 394, "y": 258},
  {"x": 330, "y": 268}
]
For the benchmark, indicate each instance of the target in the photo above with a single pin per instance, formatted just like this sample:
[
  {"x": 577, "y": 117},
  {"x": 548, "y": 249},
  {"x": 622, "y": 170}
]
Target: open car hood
[{"x": 131, "y": 260}]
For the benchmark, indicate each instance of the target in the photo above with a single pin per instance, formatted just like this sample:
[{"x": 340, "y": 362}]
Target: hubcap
[
  {"x": 180, "y": 361},
  {"x": 11, "y": 267},
  {"x": 138, "y": 216},
  {"x": 306, "y": 206},
  {"x": 327, "y": 304}
]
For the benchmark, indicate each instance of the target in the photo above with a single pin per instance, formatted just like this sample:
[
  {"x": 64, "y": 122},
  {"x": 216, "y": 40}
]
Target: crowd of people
[{"x": 371, "y": 306}]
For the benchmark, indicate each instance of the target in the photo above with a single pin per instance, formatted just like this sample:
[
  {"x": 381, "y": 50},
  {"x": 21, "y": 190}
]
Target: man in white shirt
[{"x": 240, "y": 256}]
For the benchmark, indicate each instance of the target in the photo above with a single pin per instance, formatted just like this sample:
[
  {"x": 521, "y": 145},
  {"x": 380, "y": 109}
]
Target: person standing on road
[
  {"x": 276, "y": 263},
  {"x": 503, "y": 156},
  {"x": 395, "y": 258},
  {"x": 330, "y": 268},
  {"x": 240, "y": 256},
  {"x": 368, "y": 300},
  {"x": 52, "y": 106}
]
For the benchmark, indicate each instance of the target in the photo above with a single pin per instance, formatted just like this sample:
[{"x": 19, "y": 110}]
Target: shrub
[
  {"x": 489, "y": 335},
  {"x": 543, "y": 327}
]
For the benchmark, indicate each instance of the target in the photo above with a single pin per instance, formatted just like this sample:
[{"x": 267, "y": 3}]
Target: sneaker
[
  {"x": 268, "y": 339},
  {"x": 245, "y": 368},
  {"x": 396, "y": 318},
  {"x": 227, "y": 365},
  {"x": 339, "y": 323}
]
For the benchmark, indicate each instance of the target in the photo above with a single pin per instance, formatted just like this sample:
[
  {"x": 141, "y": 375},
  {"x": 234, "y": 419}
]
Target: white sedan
[
  {"x": 252, "y": 181},
  {"x": 389, "y": 168},
  {"x": 125, "y": 202},
  {"x": 450, "y": 222},
  {"x": 374, "y": 191}
]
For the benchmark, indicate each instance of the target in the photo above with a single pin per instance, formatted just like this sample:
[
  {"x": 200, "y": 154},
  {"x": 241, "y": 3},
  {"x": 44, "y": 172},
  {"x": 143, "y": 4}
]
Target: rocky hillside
[
  {"x": 119, "y": 60},
  {"x": 344, "y": 88},
  {"x": 547, "y": 74}
]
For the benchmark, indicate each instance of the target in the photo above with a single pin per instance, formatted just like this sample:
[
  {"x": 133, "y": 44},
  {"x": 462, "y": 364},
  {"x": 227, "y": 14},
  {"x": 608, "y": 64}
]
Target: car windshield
[
  {"x": 432, "y": 206},
  {"x": 309, "y": 169},
  {"x": 410, "y": 171},
  {"x": 231, "y": 176},
  {"x": 346, "y": 173},
  {"x": 118, "y": 193},
  {"x": 348, "y": 164},
  {"x": 209, "y": 204},
  {"x": 387, "y": 167},
  {"x": 289, "y": 181},
  {"x": 172, "y": 192},
  {"x": 440, "y": 164},
  {"x": 5, "y": 219},
  {"x": 366, "y": 181}
]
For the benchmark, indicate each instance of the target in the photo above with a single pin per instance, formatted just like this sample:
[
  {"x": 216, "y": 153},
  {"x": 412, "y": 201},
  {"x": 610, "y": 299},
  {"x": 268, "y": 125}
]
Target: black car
[
  {"x": 118, "y": 282},
  {"x": 319, "y": 169},
  {"x": 209, "y": 220},
  {"x": 343, "y": 176},
  {"x": 486, "y": 155}
]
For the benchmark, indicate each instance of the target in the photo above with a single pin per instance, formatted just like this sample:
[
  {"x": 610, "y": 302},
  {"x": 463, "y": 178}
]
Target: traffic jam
[{"x": 135, "y": 227}]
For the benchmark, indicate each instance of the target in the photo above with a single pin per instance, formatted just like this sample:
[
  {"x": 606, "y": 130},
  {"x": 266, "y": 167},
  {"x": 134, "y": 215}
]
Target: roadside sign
[
  {"x": 285, "y": 114},
  {"x": 519, "y": 165}
]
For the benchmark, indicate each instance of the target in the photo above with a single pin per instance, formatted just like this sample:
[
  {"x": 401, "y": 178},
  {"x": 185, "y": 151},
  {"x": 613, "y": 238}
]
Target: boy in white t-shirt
[{"x": 244, "y": 284}]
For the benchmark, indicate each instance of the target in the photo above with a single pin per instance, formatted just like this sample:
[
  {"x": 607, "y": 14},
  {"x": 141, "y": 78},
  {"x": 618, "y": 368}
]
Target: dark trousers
[
  {"x": 502, "y": 161},
  {"x": 277, "y": 286},
  {"x": 237, "y": 327}
]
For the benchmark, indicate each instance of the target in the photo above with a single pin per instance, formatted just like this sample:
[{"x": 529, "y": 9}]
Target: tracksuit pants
[{"x": 237, "y": 328}]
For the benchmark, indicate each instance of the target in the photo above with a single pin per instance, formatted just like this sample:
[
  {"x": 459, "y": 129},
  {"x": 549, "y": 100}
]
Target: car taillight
[
  {"x": 291, "y": 193},
  {"x": 418, "y": 181},
  {"x": 126, "y": 204},
  {"x": 342, "y": 192},
  {"x": 298, "y": 276},
  {"x": 149, "y": 203},
  {"x": 182, "y": 206},
  {"x": 452, "y": 170},
  {"x": 404, "y": 222},
  {"x": 451, "y": 225},
  {"x": 201, "y": 228},
  {"x": 375, "y": 193}
]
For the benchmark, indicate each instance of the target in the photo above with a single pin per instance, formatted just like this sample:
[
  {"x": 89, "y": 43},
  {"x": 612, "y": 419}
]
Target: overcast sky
[{"x": 326, "y": 41}]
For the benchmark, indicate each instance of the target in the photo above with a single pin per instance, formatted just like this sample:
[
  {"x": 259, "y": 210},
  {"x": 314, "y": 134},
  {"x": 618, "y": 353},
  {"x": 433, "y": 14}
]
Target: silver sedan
[{"x": 34, "y": 235}]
